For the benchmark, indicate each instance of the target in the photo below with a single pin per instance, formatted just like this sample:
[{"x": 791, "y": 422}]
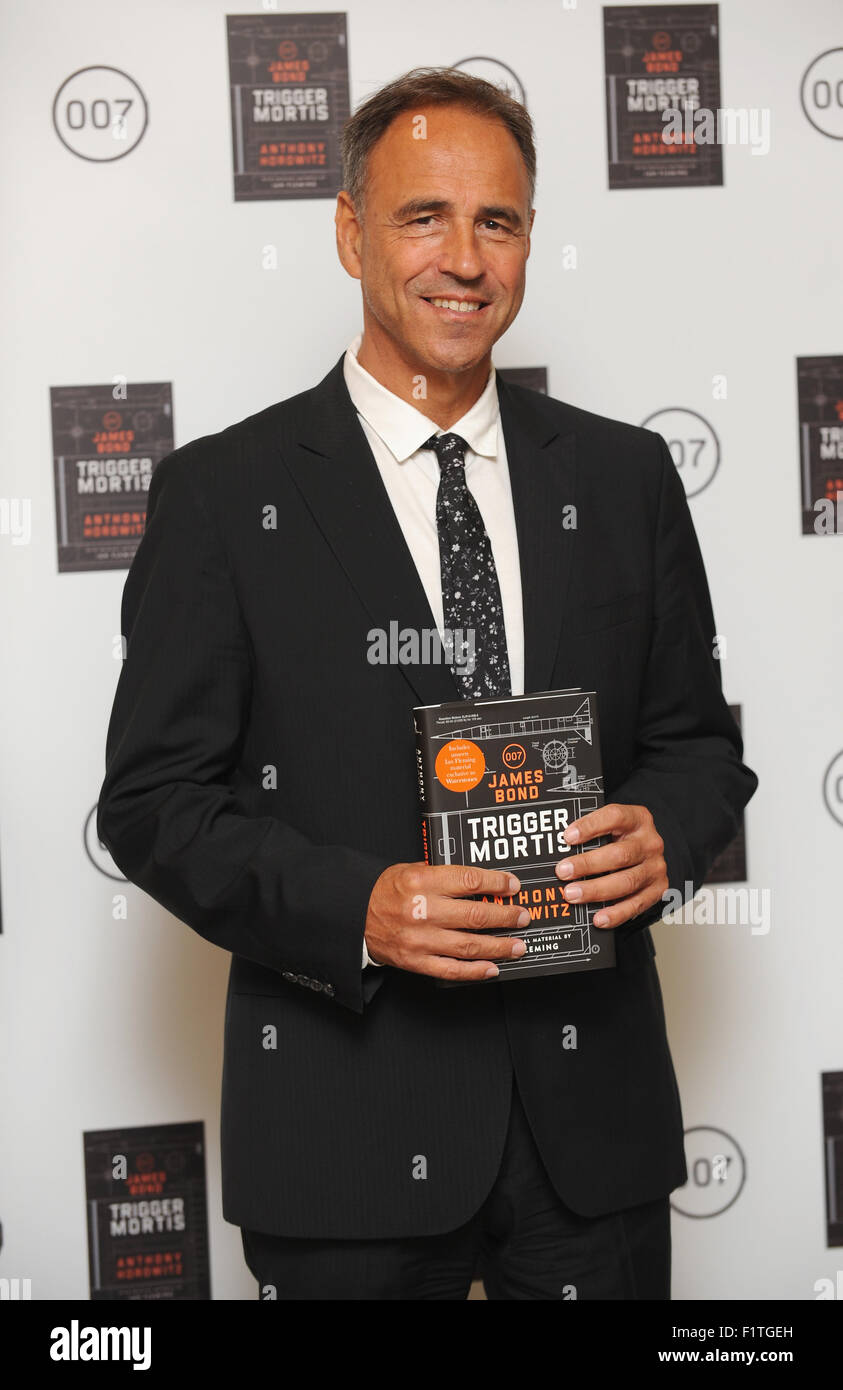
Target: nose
[{"x": 459, "y": 252}]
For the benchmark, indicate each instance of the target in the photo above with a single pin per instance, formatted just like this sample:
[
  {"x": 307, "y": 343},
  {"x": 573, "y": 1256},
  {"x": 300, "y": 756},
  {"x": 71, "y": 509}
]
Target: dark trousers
[{"x": 523, "y": 1243}]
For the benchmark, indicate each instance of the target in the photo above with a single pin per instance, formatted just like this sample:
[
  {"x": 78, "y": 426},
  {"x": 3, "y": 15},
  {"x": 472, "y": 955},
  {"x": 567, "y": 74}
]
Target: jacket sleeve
[
  {"x": 168, "y": 811},
  {"x": 688, "y": 770}
]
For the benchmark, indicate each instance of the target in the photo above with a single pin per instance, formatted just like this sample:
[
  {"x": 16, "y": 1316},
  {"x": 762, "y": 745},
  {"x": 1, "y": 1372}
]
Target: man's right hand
[{"x": 417, "y": 920}]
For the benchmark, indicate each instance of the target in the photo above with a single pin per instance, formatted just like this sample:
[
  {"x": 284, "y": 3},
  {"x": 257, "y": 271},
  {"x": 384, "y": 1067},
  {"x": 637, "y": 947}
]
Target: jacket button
[{"x": 315, "y": 984}]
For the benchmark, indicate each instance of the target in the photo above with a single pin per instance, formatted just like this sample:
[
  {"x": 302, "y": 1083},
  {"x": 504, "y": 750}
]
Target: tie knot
[{"x": 449, "y": 450}]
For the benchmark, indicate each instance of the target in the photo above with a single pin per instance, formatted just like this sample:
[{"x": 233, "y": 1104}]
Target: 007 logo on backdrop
[
  {"x": 100, "y": 114},
  {"x": 498, "y": 73},
  {"x": 96, "y": 850},
  {"x": 716, "y": 1173},
  {"x": 833, "y": 787},
  {"x": 694, "y": 446},
  {"x": 821, "y": 93}
]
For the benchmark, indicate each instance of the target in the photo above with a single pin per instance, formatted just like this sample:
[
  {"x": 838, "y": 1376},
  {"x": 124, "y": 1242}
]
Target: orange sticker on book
[{"x": 460, "y": 765}]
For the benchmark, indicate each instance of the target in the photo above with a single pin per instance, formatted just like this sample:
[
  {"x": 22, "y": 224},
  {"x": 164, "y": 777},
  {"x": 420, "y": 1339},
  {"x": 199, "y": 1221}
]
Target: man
[{"x": 382, "y": 1137}]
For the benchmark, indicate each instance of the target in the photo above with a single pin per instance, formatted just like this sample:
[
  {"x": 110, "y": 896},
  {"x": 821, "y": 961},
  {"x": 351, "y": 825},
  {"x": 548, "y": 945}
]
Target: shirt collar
[{"x": 404, "y": 429}]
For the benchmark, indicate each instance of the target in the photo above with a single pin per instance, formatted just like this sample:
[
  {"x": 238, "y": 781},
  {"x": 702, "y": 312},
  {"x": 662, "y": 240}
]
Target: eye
[{"x": 428, "y": 217}]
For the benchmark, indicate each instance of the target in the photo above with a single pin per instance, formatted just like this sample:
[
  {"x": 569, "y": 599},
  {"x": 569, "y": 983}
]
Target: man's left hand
[{"x": 632, "y": 869}]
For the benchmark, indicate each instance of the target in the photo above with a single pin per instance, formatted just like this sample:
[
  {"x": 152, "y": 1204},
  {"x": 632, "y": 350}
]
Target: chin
[{"x": 453, "y": 356}]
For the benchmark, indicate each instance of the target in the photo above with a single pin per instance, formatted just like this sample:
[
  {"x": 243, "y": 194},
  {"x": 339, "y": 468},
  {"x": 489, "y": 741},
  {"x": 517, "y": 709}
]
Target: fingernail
[
  {"x": 491, "y": 972},
  {"x": 573, "y": 893},
  {"x": 518, "y": 948},
  {"x": 572, "y": 835},
  {"x": 523, "y": 918},
  {"x": 514, "y": 885},
  {"x": 600, "y": 919},
  {"x": 565, "y": 870}
]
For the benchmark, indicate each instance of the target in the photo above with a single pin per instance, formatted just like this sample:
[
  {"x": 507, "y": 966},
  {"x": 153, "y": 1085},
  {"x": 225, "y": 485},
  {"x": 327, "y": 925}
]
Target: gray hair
[{"x": 428, "y": 87}]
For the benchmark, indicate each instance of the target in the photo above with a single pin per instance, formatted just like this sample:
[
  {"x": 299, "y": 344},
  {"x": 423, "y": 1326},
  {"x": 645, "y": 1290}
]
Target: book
[{"x": 500, "y": 780}]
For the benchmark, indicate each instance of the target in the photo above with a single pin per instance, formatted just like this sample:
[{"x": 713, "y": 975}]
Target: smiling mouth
[{"x": 457, "y": 306}]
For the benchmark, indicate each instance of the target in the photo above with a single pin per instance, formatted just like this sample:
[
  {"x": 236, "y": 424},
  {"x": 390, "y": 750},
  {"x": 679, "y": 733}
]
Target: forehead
[{"x": 449, "y": 143}]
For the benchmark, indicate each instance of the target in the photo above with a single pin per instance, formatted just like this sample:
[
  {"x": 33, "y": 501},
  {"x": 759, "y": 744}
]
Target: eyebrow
[{"x": 421, "y": 206}]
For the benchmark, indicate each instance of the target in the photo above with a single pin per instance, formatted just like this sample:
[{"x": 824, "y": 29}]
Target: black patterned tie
[{"x": 471, "y": 597}]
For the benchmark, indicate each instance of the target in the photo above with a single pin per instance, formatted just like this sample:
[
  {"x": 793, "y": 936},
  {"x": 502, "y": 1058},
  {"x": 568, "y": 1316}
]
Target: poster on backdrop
[
  {"x": 662, "y": 58},
  {"x": 288, "y": 75},
  {"x": 533, "y": 377},
  {"x": 147, "y": 1212},
  {"x": 105, "y": 449},
  {"x": 832, "y": 1088},
  {"x": 820, "y": 394}
]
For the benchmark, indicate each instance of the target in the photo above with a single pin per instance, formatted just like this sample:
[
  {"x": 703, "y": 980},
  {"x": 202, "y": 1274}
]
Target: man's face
[{"x": 446, "y": 218}]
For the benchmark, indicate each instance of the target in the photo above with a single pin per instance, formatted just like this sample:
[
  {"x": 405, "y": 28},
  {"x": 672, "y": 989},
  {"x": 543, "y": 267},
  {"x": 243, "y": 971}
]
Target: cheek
[
  {"x": 512, "y": 271},
  {"x": 505, "y": 275},
  {"x": 415, "y": 265},
  {"x": 398, "y": 271}
]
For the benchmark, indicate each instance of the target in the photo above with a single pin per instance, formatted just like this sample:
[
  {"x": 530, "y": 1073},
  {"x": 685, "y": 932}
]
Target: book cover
[
  {"x": 500, "y": 780},
  {"x": 147, "y": 1213}
]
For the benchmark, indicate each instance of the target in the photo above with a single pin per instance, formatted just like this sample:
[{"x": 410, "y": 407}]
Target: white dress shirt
[{"x": 395, "y": 431}]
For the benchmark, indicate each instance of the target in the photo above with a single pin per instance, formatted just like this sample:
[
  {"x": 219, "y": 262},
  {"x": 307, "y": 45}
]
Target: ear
[
  {"x": 349, "y": 235},
  {"x": 530, "y": 230}
]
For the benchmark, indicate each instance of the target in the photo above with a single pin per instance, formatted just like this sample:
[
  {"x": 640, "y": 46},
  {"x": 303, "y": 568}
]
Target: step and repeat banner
[{"x": 168, "y": 268}]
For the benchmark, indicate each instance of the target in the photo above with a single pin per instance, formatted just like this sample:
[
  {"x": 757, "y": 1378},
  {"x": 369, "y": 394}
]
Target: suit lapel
[{"x": 329, "y": 458}]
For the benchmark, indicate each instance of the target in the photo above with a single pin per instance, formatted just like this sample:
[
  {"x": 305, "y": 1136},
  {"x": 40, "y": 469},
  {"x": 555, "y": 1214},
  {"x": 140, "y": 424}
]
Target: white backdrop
[{"x": 146, "y": 267}]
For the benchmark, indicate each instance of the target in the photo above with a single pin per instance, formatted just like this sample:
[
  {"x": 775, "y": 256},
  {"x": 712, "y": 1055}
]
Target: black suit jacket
[{"x": 261, "y": 774}]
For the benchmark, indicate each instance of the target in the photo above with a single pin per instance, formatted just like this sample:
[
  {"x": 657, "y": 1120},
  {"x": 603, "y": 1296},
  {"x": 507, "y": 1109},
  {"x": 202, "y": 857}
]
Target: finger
[
  {"x": 455, "y": 945},
  {"x": 418, "y": 944},
  {"x": 475, "y": 916},
  {"x": 605, "y": 820},
  {"x": 608, "y": 887},
  {"x": 458, "y": 971},
  {"x": 617, "y": 913},
  {"x": 623, "y": 853},
  {"x": 458, "y": 880}
]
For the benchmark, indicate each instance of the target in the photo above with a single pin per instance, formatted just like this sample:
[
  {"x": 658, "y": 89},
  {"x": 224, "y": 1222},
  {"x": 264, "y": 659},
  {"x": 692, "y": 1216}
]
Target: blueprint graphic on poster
[
  {"x": 147, "y": 1212},
  {"x": 105, "y": 448},
  {"x": 662, "y": 59},
  {"x": 500, "y": 780},
  {"x": 289, "y": 100}
]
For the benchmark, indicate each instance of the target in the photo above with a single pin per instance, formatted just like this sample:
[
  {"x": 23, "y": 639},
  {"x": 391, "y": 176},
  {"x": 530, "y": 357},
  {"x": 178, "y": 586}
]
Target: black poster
[
  {"x": 662, "y": 58},
  {"x": 832, "y": 1082},
  {"x": 533, "y": 377},
  {"x": 289, "y": 101},
  {"x": 730, "y": 864},
  {"x": 820, "y": 388},
  {"x": 104, "y": 453},
  {"x": 147, "y": 1212}
]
